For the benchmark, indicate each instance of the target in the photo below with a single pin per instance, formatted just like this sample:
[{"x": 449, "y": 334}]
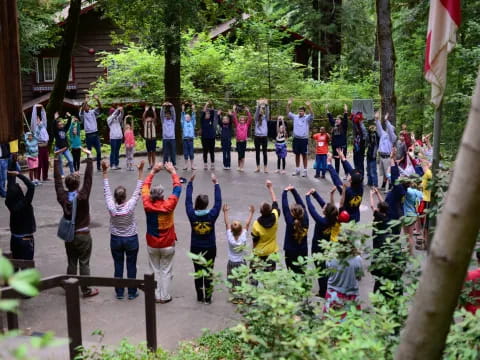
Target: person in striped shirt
[
  {"x": 123, "y": 228},
  {"x": 161, "y": 234}
]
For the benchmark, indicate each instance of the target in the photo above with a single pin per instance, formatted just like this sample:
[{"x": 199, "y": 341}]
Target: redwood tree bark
[
  {"x": 64, "y": 62},
  {"x": 172, "y": 83},
  {"x": 432, "y": 310},
  {"x": 386, "y": 52},
  {"x": 10, "y": 82}
]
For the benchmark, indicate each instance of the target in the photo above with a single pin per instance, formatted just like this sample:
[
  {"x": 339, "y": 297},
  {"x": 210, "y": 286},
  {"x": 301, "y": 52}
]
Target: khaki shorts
[{"x": 384, "y": 166}]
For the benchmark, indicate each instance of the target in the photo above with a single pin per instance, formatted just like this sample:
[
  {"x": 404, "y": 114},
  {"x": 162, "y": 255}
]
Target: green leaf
[
  {"x": 8, "y": 305},
  {"x": 6, "y": 268},
  {"x": 24, "y": 287}
]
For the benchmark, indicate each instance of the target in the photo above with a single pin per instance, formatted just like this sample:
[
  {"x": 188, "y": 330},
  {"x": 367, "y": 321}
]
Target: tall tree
[
  {"x": 64, "y": 61},
  {"x": 386, "y": 52},
  {"x": 158, "y": 24},
  {"x": 431, "y": 314},
  {"x": 10, "y": 87}
]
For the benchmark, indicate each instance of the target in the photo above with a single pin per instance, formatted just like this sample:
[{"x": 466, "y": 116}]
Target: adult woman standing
[{"x": 123, "y": 228}]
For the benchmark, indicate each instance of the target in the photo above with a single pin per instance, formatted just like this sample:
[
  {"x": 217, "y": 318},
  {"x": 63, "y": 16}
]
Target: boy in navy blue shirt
[
  {"x": 202, "y": 222},
  {"x": 354, "y": 193}
]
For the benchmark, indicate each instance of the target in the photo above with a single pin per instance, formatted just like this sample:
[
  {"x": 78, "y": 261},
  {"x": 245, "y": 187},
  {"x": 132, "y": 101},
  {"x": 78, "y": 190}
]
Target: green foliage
[
  {"x": 37, "y": 29},
  {"x": 124, "y": 351}
]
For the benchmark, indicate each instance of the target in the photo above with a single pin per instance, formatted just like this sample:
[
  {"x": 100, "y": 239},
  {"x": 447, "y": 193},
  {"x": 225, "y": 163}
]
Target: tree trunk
[
  {"x": 172, "y": 77},
  {"x": 10, "y": 82},
  {"x": 431, "y": 313},
  {"x": 386, "y": 53},
  {"x": 64, "y": 62}
]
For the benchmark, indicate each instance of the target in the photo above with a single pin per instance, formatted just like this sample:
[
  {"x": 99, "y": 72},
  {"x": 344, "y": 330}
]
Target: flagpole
[{"x": 437, "y": 129}]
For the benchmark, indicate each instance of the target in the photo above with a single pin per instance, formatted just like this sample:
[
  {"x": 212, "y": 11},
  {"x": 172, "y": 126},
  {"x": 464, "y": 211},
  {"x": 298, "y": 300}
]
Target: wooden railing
[{"x": 72, "y": 284}]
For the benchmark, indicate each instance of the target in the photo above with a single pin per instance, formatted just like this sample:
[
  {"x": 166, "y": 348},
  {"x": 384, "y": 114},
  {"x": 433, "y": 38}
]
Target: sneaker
[
  {"x": 205, "y": 166},
  {"x": 257, "y": 170},
  {"x": 63, "y": 176},
  {"x": 316, "y": 176},
  {"x": 304, "y": 173},
  {"x": 277, "y": 171},
  {"x": 163, "y": 301},
  {"x": 185, "y": 167},
  {"x": 283, "y": 172},
  {"x": 90, "y": 292},
  {"x": 241, "y": 170},
  {"x": 120, "y": 297},
  {"x": 208, "y": 301},
  {"x": 212, "y": 167},
  {"x": 150, "y": 167},
  {"x": 133, "y": 296},
  {"x": 225, "y": 168},
  {"x": 296, "y": 173},
  {"x": 265, "y": 170}
]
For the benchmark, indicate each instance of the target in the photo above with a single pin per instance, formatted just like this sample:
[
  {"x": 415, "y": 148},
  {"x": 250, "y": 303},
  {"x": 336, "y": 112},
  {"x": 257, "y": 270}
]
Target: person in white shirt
[
  {"x": 237, "y": 241},
  {"x": 115, "y": 123},
  {"x": 88, "y": 117}
]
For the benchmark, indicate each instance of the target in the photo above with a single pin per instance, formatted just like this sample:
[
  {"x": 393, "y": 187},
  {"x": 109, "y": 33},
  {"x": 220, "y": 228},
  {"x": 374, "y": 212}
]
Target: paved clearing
[{"x": 183, "y": 318}]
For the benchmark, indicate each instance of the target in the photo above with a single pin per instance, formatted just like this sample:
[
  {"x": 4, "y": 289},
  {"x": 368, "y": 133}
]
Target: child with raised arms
[{"x": 241, "y": 134}]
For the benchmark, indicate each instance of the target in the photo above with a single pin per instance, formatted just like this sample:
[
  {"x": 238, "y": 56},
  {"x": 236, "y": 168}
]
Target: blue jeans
[
  {"x": 92, "y": 140},
  {"x": 69, "y": 158},
  {"x": 3, "y": 176},
  {"x": 169, "y": 151},
  {"x": 115, "y": 151},
  {"x": 188, "y": 149},
  {"x": 122, "y": 246},
  {"x": 321, "y": 161},
  {"x": 226, "y": 150},
  {"x": 372, "y": 173}
]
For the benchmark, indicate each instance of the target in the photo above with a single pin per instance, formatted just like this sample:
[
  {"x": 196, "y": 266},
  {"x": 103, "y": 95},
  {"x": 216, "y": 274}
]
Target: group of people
[{"x": 398, "y": 159}]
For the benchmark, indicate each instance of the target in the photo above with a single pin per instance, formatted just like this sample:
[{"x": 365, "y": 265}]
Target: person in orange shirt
[
  {"x": 161, "y": 234},
  {"x": 322, "y": 141}
]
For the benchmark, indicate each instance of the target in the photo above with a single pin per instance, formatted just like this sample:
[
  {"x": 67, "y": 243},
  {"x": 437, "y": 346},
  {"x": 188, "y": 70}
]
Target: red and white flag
[{"x": 443, "y": 22}]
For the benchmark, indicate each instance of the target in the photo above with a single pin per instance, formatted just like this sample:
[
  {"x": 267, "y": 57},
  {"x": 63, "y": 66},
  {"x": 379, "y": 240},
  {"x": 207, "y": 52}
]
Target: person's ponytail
[{"x": 298, "y": 213}]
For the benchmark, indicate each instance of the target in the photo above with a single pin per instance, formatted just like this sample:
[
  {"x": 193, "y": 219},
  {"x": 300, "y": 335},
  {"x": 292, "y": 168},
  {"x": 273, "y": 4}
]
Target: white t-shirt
[{"x": 235, "y": 254}]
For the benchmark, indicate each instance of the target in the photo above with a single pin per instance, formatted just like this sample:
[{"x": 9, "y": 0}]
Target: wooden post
[
  {"x": 11, "y": 122},
  {"x": 12, "y": 321},
  {"x": 150, "y": 311},
  {"x": 74, "y": 322}
]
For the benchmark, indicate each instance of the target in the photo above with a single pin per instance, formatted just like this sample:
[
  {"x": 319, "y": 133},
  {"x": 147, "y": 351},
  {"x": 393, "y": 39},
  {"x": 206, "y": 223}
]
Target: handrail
[{"x": 71, "y": 284}]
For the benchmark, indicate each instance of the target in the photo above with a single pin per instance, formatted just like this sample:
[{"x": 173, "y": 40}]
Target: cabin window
[{"x": 46, "y": 69}]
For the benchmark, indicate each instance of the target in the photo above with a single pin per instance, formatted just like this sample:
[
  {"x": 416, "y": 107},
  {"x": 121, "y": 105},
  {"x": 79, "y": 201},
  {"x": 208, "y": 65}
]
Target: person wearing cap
[
  {"x": 161, "y": 234},
  {"x": 352, "y": 195},
  {"x": 359, "y": 141},
  {"x": 327, "y": 228}
]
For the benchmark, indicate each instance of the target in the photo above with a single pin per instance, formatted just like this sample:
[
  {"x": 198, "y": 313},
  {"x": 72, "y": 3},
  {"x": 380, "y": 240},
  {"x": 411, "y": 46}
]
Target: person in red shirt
[
  {"x": 473, "y": 276},
  {"x": 161, "y": 234},
  {"x": 322, "y": 141}
]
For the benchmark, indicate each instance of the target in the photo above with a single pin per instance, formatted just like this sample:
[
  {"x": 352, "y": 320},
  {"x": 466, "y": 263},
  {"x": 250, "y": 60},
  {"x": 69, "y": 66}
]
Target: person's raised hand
[
  {"x": 333, "y": 189},
  {"x": 193, "y": 107},
  {"x": 308, "y": 103},
  {"x": 86, "y": 151},
  {"x": 192, "y": 177},
  {"x": 68, "y": 114},
  {"x": 268, "y": 184},
  {"x": 326, "y": 108},
  {"x": 225, "y": 208},
  {"x": 290, "y": 187},
  {"x": 169, "y": 167},
  {"x": 329, "y": 158},
  {"x": 234, "y": 107},
  {"x": 251, "y": 208},
  {"x": 387, "y": 116},
  {"x": 140, "y": 166},
  {"x": 146, "y": 107},
  {"x": 219, "y": 112},
  {"x": 377, "y": 115},
  {"x": 153, "y": 108},
  {"x": 310, "y": 192},
  {"x": 157, "y": 167},
  {"x": 345, "y": 108},
  {"x": 247, "y": 109},
  {"x": 95, "y": 97},
  {"x": 214, "y": 179},
  {"x": 183, "y": 107},
  {"x": 340, "y": 153},
  {"x": 104, "y": 166},
  {"x": 290, "y": 100}
]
